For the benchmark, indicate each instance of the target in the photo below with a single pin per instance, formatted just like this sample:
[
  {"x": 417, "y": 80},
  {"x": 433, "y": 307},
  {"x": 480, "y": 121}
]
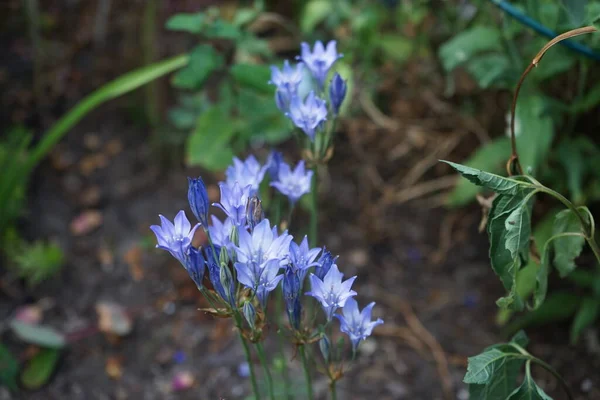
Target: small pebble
[
  {"x": 463, "y": 394},
  {"x": 243, "y": 370},
  {"x": 586, "y": 385},
  {"x": 179, "y": 357},
  {"x": 182, "y": 381},
  {"x": 169, "y": 308}
]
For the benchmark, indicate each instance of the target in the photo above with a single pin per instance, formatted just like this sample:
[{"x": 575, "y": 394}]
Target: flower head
[
  {"x": 331, "y": 292},
  {"x": 293, "y": 184},
  {"x": 262, "y": 245},
  {"x": 302, "y": 258},
  {"x": 261, "y": 278},
  {"x": 357, "y": 324},
  {"x": 308, "y": 115},
  {"x": 320, "y": 60},
  {"x": 175, "y": 238},
  {"x": 286, "y": 80},
  {"x": 247, "y": 172},
  {"x": 233, "y": 202},
  {"x": 196, "y": 266},
  {"x": 337, "y": 92},
  {"x": 324, "y": 263},
  {"x": 198, "y": 199},
  {"x": 291, "y": 295},
  {"x": 274, "y": 162},
  {"x": 220, "y": 232}
]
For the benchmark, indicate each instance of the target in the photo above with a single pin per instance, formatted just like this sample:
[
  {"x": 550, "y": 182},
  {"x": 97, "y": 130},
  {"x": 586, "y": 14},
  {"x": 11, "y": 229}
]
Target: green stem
[
  {"x": 250, "y": 367},
  {"x": 314, "y": 216},
  {"x": 284, "y": 369},
  {"x": 332, "y": 390},
  {"x": 263, "y": 361},
  {"x": 309, "y": 390}
]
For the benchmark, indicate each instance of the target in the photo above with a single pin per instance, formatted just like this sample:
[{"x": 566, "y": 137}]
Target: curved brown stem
[{"x": 513, "y": 163}]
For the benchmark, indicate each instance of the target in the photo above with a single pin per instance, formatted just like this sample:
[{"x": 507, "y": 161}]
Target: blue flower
[
  {"x": 227, "y": 292},
  {"x": 357, "y": 324},
  {"x": 308, "y": 115},
  {"x": 293, "y": 184},
  {"x": 261, "y": 278},
  {"x": 196, "y": 266},
  {"x": 324, "y": 264},
  {"x": 220, "y": 232},
  {"x": 286, "y": 80},
  {"x": 302, "y": 258},
  {"x": 274, "y": 162},
  {"x": 175, "y": 238},
  {"x": 248, "y": 172},
  {"x": 337, "y": 92},
  {"x": 198, "y": 199},
  {"x": 331, "y": 292},
  {"x": 262, "y": 245},
  {"x": 291, "y": 295},
  {"x": 233, "y": 202},
  {"x": 320, "y": 60}
]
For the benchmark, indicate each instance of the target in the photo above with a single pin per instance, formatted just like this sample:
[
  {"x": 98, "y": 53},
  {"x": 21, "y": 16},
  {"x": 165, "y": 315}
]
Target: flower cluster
[
  {"x": 309, "y": 112},
  {"x": 247, "y": 257}
]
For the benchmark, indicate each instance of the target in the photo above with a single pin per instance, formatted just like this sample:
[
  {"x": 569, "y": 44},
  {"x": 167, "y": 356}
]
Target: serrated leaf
[
  {"x": 497, "y": 183},
  {"x": 469, "y": 42},
  {"x": 529, "y": 390},
  {"x": 586, "y": 315},
  {"x": 490, "y": 157},
  {"x": 518, "y": 230},
  {"x": 520, "y": 338},
  {"x": 40, "y": 368},
  {"x": 209, "y": 144},
  {"x": 9, "y": 368},
  {"x": 253, "y": 76},
  {"x": 203, "y": 61},
  {"x": 567, "y": 248},
  {"x": 314, "y": 12},
  {"x": 191, "y": 23},
  {"x": 41, "y": 335},
  {"x": 484, "y": 366},
  {"x": 501, "y": 384}
]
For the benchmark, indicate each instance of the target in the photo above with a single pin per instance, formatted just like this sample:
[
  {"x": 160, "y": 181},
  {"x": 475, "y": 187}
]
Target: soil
[{"x": 426, "y": 266}]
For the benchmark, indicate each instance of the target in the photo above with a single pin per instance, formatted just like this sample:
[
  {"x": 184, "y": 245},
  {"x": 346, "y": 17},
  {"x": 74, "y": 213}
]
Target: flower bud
[
  {"x": 282, "y": 100},
  {"x": 325, "y": 347},
  {"x": 227, "y": 282},
  {"x": 291, "y": 296},
  {"x": 254, "y": 212},
  {"x": 196, "y": 266},
  {"x": 324, "y": 263},
  {"x": 275, "y": 159},
  {"x": 250, "y": 314},
  {"x": 337, "y": 92},
  {"x": 198, "y": 199}
]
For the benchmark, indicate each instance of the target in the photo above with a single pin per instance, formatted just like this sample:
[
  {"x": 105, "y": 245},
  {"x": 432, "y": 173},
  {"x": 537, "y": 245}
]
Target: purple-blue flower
[
  {"x": 302, "y": 258},
  {"x": 293, "y": 184},
  {"x": 274, "y": 162},
  {"x": 324, "y": 263},
  {"x": 196, "y": 266},
  {"x": 331, "y": 292},
  {"x": 233, "y": 202},
  {"x": 291, "y": 287},
  {"x": 308, "y": 115},
  {"x": 198, "y": 199},
  {"x": 337, "y": 92},
  {"x": 247, "y": 172},
  {"x": 357, "y": 324},
  {"x": 175, "y": 238},
  {"x": 320, "y": 59},
  {"x": 220, "y": 232},
  {"x": 227, "y": 291},
  {"x": 261, "y": 278},
  {"x": 286, "y": 80},
  {"x": 262, "y": 245}
]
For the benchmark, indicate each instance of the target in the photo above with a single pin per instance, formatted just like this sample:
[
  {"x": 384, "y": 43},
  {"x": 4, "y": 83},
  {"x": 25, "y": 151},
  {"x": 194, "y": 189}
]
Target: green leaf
[
  {"x": 203, "y": 61},
  {"x": 484, "y": 366},
  {"x": 260, "y": 119},
  {"x": 209, "y": 144},
  {"x": 9, "y": 368},
  {"x": 221, "y": 29},
  {"x": 571, "y": 156},
  {"x": 490, "y": 181},
  {"x": 557, "y": 307},
  {"x": 575, "y": 10},
  {"x": 253, "y": 76},
  {"x": 313, "y": 13},
  {"x": 244, "y": 16},
  {"x": 520, "y": 338},
  {"x": 534, "y": 131},
  {"x": 507, "y": 248},
  {"x": 40, "y": 368},
  {"x": 191, "y": 23},
  {"x": 501, "y": 384},
  {"x": 396, "y": 47},
  {"x": 182, "y": 118},
  {"x": 41, "y": 335},
  {"x": 465, "y": 45},
  {"x": 586, "y": 315},
  {"x": 490, "y": 157},
  {"x": 529, "y": 390},
  {"x": 567, "y": 248},
  {"x": 491, "y": 70}
]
